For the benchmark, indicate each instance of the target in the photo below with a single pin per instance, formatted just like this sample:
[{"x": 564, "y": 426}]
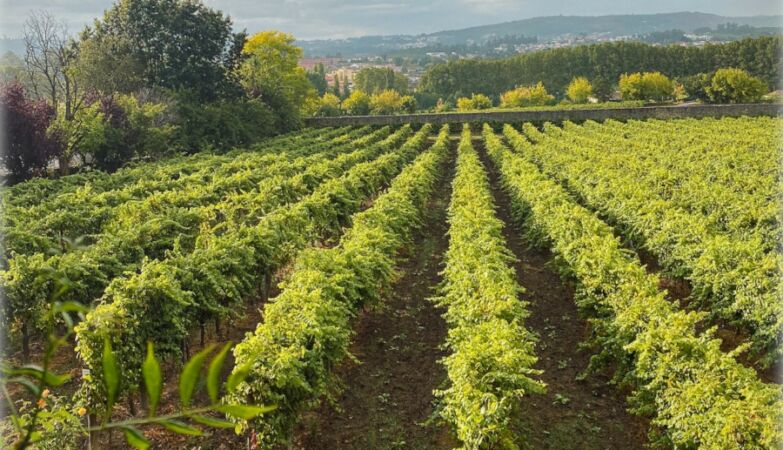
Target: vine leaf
[
  {"x": 111, "y": 375},
  {"x": 213, "y": 375},
  {"x": 190, "y": 375},
  {"x": 152, "y": 378},
  {"x": 135, "y": 438}
]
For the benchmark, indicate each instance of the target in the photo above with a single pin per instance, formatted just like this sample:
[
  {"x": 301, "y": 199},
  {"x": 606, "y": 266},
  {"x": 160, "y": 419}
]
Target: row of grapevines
[
  {"x": 86, "y": 212},
  {"x": 150, "y": 231},
  {"x": 702, "y": 178},
  {"x": 490, "y": 366},
  {"x": 39, "y": 190},
  {"x": 699, "y": 396},
  {"x": 306, "y": 329},
  {"x": 735, "y": 279},
  {"x": 167, "y": 298}
]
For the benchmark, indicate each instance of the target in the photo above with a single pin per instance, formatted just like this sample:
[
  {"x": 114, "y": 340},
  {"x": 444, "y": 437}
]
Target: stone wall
[{"x": 576, "y": 115}]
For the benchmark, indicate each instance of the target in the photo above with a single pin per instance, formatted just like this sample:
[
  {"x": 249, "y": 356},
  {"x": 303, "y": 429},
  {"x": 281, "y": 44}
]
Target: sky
[{"x": 320, "y": 19}]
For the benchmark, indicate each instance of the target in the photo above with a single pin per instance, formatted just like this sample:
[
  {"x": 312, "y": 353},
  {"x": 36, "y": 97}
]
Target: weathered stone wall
[{"x": 576, "y": 115}]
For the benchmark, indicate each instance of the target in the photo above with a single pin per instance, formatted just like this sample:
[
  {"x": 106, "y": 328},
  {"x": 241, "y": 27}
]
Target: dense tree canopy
[
  {"x": 606, "y": 61},
  {"x": 173, "y": 44},
  {"x": 373, "y": 80}
]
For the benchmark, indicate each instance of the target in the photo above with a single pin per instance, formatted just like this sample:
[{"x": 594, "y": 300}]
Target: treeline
[{"x": 601, "y": 63}]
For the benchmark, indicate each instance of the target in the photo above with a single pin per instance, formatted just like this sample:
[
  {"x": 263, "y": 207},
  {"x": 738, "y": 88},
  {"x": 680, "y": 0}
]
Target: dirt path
[
  {"x": 572, "y": 414},
  {"x": 388, "y": 396}
]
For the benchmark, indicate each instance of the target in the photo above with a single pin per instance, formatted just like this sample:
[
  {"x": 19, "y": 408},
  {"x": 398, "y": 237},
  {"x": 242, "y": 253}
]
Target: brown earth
[
  {"x": 574, "y": 413},
  {"x": 387, "y": 398}
]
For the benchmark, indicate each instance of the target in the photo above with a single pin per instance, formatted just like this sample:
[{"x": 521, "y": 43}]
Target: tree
[
  {"x": 336, "y": 89},
  {"x": 28, "y": 149},
  {"x": 535, "y": 95},
  {"x": 579, "y": 90},
  {"x": 408, "y": 104},
  {"x": 731, "y": 85},
  {"x": 328, "y": 106},
  {"x": 318, "y": 79},
  {"x": 373, "y": 80},
  {"x": 357, "y": 104},
  {"x": 476, "y": 101},
  {"x": 171, "y": 44},
  {"x": 648, "y": 86},
  {"x": 386, "y": 102},
  {"x": 271, "y": 73},
  {"x": 49, "y": 56},
  {"x": 696, "y": 86}
]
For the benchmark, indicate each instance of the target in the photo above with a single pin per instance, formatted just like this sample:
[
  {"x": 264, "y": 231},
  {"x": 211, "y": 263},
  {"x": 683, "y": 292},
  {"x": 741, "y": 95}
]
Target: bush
[
  {"x": 696, "y": 86},
  {"x": 732, "y": 85},
  {"x": 476, "y": 101},
  {"x": 579, "y": 90},
  {"x": 223, "y": 124},
  {"x": 357, "y": 104},
  {"x": 649, "y": 86},
  {"x": 442, "y": 106},
  {"x": 526, "y": 96},
  {"x": 29, "y": 148},
  {"x": 328, "y": 106},
  {"x": 386, "y": 102},
  {"x": 129, "y": 129},
  {"x": 408, "y": 104}
]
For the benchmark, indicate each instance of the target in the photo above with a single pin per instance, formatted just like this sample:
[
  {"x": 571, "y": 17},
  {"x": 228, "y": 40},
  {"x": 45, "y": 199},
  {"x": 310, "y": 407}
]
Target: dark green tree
[{"x": 172, "y": 44}]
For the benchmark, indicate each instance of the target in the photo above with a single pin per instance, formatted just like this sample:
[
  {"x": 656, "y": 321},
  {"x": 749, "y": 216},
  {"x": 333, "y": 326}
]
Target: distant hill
[{"x": 543, "y": 28}]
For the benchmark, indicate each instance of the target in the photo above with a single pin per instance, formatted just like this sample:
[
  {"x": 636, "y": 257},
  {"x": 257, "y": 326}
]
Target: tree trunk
[
  {"x": 217, "y": 327},
  {"x": 26, "y": 341},
  {"x": 203, "y": 332}
]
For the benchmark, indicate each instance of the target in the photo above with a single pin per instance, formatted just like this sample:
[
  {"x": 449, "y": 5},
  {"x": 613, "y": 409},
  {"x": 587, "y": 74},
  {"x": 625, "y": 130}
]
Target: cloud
[{"x": 313, "y": 19}]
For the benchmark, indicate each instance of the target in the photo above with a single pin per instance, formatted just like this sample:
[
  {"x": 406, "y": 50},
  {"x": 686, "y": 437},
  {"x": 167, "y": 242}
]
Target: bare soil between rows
[
  {"x": 584, "y": 414},
  {"x": 386, "y": 401}
]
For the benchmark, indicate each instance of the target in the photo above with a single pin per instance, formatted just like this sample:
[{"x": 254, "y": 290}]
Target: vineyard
[{"x": 491, "y": 286}]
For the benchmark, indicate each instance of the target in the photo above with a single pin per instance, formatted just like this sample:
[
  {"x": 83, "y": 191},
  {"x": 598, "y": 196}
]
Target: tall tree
[
  {"x": 49, "y": 57},
  {"x": 173, "y": 44},
  {"x": 270, "y": 71}
]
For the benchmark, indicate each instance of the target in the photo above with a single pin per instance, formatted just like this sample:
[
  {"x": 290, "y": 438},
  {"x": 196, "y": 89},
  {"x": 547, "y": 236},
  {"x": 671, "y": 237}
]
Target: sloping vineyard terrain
[{"x": 490, "y": 286}]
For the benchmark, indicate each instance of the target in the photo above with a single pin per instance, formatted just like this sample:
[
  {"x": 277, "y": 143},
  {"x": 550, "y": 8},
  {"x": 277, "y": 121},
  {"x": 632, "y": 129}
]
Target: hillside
[{"x": 542, "y": 28}]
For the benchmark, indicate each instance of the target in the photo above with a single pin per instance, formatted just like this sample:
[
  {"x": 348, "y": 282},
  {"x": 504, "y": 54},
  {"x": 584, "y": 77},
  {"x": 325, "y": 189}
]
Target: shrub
[
  {"x": 328, "y": 106},
  {"x": 408, "y": 104},
  {"x": 476, "y": 101},
  {"x": 223, "y": 124},
  {"x": 357, "y": 104},
  {"x": 696, "y": 86},
  {"x": 579, "y": 90},
  {"x": 526, "y": 96},
  {"x": 28, "y": 149},
  {"x": 732, "y": 85},
  {"x": 649, "y": 86},
  {"x": 386, "y": 102}
]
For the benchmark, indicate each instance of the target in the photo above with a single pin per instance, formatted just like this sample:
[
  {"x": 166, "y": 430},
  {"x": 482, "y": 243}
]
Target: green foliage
[
  {"x": 601, "y": 63},
  {"x": 270, "y": 72},
  {"x": 386, "y": 102},
  {"x": 357, "y": 104},
  {"x": 306, "y": 329},
  {"x": 172, "y": 44},
  {"x": 526, "y": 96},
  {"x": 328, "y": 106},
  {"x": 223, "y": 124},
  {"x": 165, "y": 299},
  {"x": 680, "y": 374},
  {"x": 579, "y": 90},
  {"x": 476, "y": 101},
  {"x": 730, "y": 85},
  {"x": 374, "y": 80},
  {"x": 648, "y": 86},
  {"x": 714, "y": 230},
  {"x": 54, "y": 422},
  {"x": 490, "y": 365}
]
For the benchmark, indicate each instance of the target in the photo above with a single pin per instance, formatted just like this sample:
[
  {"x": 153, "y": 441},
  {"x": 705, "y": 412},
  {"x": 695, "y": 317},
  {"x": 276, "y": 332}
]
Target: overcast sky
[{"x": 315, "y": 19}]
